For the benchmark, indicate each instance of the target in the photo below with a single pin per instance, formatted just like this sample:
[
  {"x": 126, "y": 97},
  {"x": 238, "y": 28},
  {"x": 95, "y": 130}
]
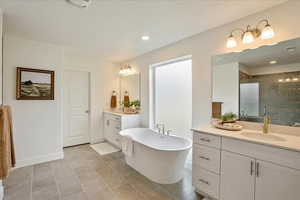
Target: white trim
[
  {"x": 40, "y": 159},
  {"x": 1, "y": 190},
  {"x": 174, "y": 60}
]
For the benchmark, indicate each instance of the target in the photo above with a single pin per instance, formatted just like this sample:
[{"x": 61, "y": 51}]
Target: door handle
[
  {"x": 87, "y": 111},
  {"x": 251, "y": 168},
  {"x": 257, "y": 169}
]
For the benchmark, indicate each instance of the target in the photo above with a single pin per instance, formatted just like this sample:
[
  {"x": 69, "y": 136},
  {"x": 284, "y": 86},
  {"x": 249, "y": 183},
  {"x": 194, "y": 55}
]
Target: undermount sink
[{"x": 262, "y": 136}]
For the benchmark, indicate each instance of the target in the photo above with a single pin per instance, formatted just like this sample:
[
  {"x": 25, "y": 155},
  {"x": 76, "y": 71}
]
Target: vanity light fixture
[
  {"x": 250, "y": 34},
  {"x": 295, "y": 79},
  {"x": 125, "y": 69},
  {"x": 288, "y": 80},
  {"x": 280, "y": 80}
]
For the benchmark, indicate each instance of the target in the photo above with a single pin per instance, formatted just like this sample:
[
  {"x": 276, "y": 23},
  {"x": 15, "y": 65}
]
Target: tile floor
[{"x": 85, "y": 175}]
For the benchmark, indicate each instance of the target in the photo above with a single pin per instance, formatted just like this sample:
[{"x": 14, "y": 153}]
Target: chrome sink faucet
[{"x": 267, "y": 121}]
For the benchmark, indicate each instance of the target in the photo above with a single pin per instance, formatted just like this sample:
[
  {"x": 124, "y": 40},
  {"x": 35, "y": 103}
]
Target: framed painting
[{"x": 35, "y": 84}]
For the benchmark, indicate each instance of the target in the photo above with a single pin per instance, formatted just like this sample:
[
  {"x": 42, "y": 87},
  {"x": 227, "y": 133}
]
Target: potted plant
[{"x": 228, "y": 118}]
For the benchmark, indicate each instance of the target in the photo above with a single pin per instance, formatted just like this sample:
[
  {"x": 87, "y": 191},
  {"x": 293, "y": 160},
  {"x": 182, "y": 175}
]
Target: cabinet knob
[
  {"x": 205, "y": 140},
  {"x": 203, "y": 181},
  {"x": 204, "y": 158},
  {"x": 257, "y": 169}
]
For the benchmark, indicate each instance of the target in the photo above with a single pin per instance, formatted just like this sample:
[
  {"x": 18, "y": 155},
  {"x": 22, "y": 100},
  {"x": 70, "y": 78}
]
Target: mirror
[
  {"x": 258, "y": 81},
  {"x": 131, "y": 85}
]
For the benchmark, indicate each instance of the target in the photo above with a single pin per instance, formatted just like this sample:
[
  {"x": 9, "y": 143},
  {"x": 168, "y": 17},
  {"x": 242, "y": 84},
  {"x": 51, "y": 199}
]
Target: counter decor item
[
  {"x": 228, "y": 122},
  {"x": 113, "y": 100},
  {"x": 131, "y": 107},
  {"x": 126, "y": 101},
  {"x": 233, "y": 126}
]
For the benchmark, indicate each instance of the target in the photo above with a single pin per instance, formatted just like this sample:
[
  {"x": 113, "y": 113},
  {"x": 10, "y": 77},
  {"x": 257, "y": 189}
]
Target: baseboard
[
  {"x": 1, "y": 191},
  {"x": 39, "y": 159}
]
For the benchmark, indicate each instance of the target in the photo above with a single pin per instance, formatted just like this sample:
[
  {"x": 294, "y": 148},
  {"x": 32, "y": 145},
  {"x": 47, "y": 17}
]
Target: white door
[
  {"x": 237, "y": 177},
  {"x": 275, "y": 182},
  {"x": 76, "y": 95}
]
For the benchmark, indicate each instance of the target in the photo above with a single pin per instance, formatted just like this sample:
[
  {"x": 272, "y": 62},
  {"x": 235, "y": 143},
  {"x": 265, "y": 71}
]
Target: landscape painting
[{"x": 35, "y": 84}]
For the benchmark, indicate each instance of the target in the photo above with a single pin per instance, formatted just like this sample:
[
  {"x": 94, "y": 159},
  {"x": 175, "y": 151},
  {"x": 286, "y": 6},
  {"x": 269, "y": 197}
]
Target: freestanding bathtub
[{"x": 160, "y": 158}]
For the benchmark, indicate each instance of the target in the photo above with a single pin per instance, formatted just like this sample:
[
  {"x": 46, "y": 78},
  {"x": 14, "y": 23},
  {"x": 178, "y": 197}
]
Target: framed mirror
[
  {"x": 130, "y": 85},
  {"x": 259, "y": 81}
]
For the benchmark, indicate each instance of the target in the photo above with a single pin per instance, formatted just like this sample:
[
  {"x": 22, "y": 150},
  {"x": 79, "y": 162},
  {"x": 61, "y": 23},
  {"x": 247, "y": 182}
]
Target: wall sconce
[
  {"x": 250, "y": 34},
  {"x": 126, "y": 69}
]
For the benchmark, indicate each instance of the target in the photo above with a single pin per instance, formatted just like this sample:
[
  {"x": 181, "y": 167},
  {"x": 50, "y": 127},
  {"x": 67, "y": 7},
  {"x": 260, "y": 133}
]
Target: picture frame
[{"x": 34, "y": 84}]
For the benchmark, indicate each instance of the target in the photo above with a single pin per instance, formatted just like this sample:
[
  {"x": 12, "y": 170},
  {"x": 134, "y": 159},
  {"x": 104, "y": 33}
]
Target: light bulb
[
  {"x": 288, "y": 80},
  {"x": 231, "y": 42},
  {"x": 280, "y": 80},
  {"x": 267, "y": 32},
  {"x": 248, "y": 37},
  {"x": 295, "y": 79}
]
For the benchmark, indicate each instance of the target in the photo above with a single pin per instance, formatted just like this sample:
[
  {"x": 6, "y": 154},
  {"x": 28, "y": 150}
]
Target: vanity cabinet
[
  {"x": 248, "y": 171},
  {"x": 115, "y": 122},
  {"x": 237, "y": 177}
]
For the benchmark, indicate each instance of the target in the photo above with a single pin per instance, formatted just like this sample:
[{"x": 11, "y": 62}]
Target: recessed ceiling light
[
  {"x": 273, "y": 62},
  {"x": 145, "y": 37}
]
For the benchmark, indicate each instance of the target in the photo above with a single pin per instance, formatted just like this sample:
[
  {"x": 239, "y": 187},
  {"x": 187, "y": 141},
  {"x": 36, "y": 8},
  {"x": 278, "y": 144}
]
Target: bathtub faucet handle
[
  {"x": 161, "y": 128},
  {"x": 169, "y": 132}
]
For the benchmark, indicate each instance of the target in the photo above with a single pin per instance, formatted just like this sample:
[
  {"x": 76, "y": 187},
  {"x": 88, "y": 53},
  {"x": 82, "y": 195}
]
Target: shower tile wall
[{"x": 281, "y": 98}]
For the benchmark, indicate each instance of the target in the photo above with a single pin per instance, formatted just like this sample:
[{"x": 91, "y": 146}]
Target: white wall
[
  {"x": 204, "y": 45},
  {"x": 38, "y": 124},
  {"x": 226, "y": 86}
]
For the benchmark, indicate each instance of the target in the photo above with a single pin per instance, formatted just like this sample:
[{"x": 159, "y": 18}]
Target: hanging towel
[
  {"x": 7, "y": 152},
  {"x": 127, "y": 145}
]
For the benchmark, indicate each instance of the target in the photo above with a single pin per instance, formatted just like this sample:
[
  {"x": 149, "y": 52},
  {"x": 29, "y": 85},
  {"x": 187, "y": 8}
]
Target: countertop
[
  {"x": 119, "y": 113},
  {"x": 280, "y": 140}
]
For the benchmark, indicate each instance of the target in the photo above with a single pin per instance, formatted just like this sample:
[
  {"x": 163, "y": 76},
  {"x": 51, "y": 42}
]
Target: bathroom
[{"x": 81, "y": 46}]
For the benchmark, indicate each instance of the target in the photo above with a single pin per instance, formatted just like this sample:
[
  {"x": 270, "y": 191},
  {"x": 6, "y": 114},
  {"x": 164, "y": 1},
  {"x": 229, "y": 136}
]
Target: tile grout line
[{"x": 56, "y": 184}]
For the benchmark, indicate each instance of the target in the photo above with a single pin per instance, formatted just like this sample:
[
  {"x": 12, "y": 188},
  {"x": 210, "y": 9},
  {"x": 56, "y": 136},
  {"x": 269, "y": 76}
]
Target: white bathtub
[{"x": 159, "y": 157}]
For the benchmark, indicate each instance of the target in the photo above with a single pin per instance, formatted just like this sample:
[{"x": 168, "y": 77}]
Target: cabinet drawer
[
  {"x": 263, "y": 152},
  {"x": 206, "y": 182},
  {"x": 108, "y": 116},
  {"x": 206, "y": 139},
  {"x": 207, "y": 157}
]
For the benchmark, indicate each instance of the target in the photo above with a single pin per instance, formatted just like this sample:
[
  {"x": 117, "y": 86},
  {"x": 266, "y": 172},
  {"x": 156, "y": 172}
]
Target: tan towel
[{"x": 7, "y": 152}]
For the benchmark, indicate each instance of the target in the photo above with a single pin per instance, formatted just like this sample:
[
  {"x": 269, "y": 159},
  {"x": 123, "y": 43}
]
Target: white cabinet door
[
  {"x": 111, "y": 131},
  {"x": 237, "y": 177},
  {"x": 274, "y": 182}
]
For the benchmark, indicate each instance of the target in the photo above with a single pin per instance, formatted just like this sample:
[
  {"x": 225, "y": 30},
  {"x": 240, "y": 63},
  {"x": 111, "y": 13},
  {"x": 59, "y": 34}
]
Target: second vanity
[
  {"x": 114, "y": 122},
  {"x": 246, "y": 165}
]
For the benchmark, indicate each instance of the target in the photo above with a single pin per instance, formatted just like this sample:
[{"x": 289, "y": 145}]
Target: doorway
[{"x": 76, "y": 101}]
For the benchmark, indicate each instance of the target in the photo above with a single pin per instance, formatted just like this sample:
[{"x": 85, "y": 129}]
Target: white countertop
[
  {"x": 118, "y": 112},
  {"x": 280, "y": 140}
]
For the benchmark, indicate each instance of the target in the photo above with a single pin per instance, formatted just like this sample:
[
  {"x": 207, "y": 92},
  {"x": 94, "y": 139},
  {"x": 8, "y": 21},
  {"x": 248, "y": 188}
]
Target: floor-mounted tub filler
[{"x": 160, "y": 158}]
